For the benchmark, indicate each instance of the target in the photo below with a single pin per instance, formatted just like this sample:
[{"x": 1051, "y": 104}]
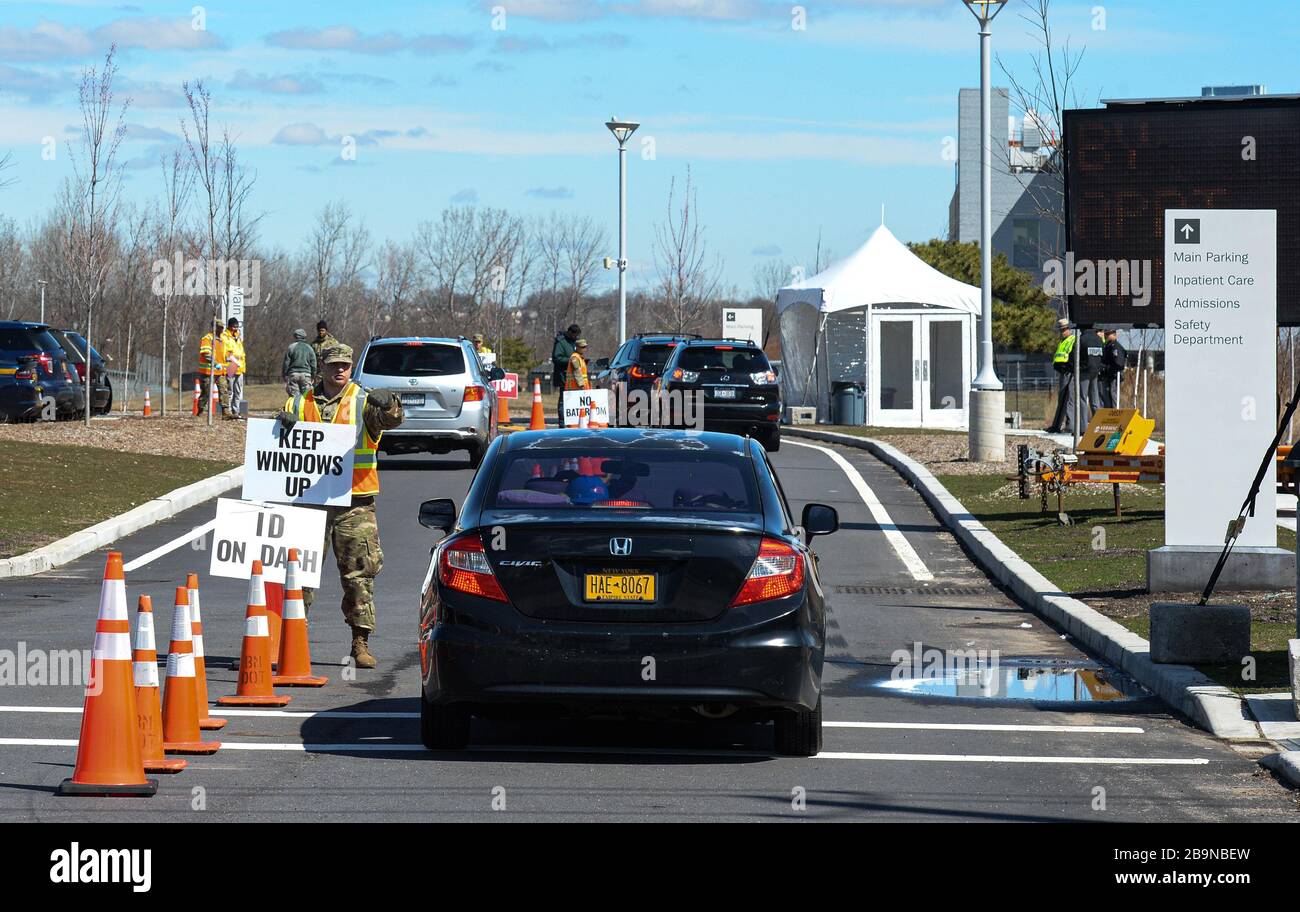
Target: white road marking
[
  {"x": 901, "y": 546},
  {"x": 361, "y": 714},
  {"x": 169, "y": 547},
  {"x": 299, "y": 747},
  {"x": 974, "y": 726}
]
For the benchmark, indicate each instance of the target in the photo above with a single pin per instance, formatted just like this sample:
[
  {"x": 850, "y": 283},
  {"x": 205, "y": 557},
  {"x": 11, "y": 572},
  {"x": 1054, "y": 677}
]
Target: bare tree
[
  {"x": 93, "y": 195},
  {"x": 198, "y": 139},
  {"x": 688, "y": 276},
  {"x": 1044, "y": 96},
  {"x": 337, "y": 253},
  {"x": 178, "y": 184},
  {"x": 13, "y": 268},
  {"x": 769, "y": 278},
  {"x": 396, "y": 276}
]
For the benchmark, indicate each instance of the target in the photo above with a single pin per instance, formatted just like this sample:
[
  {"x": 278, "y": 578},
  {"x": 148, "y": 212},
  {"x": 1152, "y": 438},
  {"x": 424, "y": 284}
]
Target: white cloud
[
  {"x": 301, "y": 134},
  {"x": 346, "y": 38},
  {"x": 287, "y": 84},
  {"x": 52, "y": 41}
]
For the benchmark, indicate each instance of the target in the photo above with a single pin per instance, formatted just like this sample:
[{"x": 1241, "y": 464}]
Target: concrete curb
[
  {"x": 110, "y": 530},
  {"x": 1210, "y": 706},
  {"x": 1286, "y": 765}
]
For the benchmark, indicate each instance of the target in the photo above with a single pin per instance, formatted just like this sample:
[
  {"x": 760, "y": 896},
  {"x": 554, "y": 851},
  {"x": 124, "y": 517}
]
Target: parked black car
[
  {"x": 579, "y": 555},
  {"x": 738, "y": 385},
  {"x": 638, "y": 362},
  {"x": 30, "y": 346},
  {"x": 101, "y": 386}
]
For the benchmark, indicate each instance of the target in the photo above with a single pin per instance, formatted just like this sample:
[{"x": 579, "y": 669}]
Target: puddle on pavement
[{"x": 1054, "y": 682}]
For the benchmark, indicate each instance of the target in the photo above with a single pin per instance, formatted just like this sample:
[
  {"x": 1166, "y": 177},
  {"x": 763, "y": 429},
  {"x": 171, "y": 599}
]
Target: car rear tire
[
  {"x": 799, "y": 732},
  {"x": 443, "y": 727},
  {"x": 772, "y": 440}
]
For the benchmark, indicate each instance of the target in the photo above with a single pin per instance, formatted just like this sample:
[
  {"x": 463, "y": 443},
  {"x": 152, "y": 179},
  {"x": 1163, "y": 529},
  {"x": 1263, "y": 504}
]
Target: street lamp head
[
  {"x": 984, "y": 10},
  {"x": 622, "y": 129}
]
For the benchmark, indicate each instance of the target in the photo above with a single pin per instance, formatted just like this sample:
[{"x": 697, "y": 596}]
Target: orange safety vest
[
  {"x": 212, "y": 356},
  {"x": 576, "y": 377},
  {"x": 365, "y": 465}
]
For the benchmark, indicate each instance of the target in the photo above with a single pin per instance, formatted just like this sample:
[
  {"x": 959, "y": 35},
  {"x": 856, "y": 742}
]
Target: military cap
[{"x": 337, "y": 353}]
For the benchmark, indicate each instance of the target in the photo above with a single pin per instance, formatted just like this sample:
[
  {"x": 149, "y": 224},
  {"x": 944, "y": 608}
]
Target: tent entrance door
[
  {"x": 920, "y": 370},
  {"x": 895, "y": 371}
]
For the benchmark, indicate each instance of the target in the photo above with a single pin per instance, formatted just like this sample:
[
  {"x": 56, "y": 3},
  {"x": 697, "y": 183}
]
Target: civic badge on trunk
[{"x": 620, "y": 547}]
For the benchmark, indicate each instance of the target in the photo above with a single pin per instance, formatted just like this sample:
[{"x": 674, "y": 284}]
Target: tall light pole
[
  {"x": 41, "y": 282},
  {"x": 622, "y": 130},
  {"x": 987, "y": 433}
]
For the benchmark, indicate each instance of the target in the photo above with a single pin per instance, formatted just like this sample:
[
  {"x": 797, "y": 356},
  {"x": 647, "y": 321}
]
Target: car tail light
[
  {"x": 25, "y": 373},
  {"x": 763, "y": 377},
  {"x": 777, "y": 572},
  {"x": 46, "y": 362},
  {"x": 686, "y": 376},
  {"x": 475, "y": 393},
  {"x": 639, "y": 373},
  {"x": 464, "y": 566}
]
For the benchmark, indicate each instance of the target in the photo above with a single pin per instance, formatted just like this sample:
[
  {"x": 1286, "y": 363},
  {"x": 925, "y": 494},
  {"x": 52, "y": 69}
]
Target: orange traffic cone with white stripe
[
  {"x": 180, "y": 699},
  {"x": 206, "y": 722},
  {"x": 109, "y": 762},
  {"x": 538, "y": 422},
  {"x": 295, "y": 650},
  {"x": 255, "y": 659},
  {"x": 583, "y": 421},
  {"x": 198, "y": 396},
  {"x": 148, "y": 408},
  {"x": 148, "y": 707}
]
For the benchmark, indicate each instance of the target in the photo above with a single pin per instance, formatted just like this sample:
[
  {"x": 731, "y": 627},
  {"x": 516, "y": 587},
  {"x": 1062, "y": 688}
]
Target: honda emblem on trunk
[{"x": 620, "y": 547}]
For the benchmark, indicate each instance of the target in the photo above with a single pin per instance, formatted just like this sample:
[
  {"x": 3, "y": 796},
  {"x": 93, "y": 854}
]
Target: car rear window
[
  {"x": 28, "y": 340},
  {"x": 723, "y": 357},
  {"x": 596, "y": 479},
  {"x": 414, "y": 359},
  {"x": 653, "y": 357}
]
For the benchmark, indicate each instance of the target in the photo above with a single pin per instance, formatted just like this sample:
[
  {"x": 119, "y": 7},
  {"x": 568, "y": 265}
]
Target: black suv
[
  {"x": 101, "y": 388},
  {"x": 739, "y": 386},
  {"x": 31, "y": 357},
  {"x": 638, "y": 362}
]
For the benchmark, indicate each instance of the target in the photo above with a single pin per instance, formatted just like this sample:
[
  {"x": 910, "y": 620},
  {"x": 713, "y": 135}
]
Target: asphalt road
[{"x": 895, "y": 579}]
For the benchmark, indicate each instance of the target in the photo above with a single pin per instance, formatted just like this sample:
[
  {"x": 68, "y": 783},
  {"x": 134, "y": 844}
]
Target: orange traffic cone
[
  {"x": 503, "y": 416},
  {"x": 148, "y": 409},
  {"x": 583, "y": 421},
  {"x": 295, "y": 651},
  {"x": 180, "y": 699},
  {"x": 214, "y": 396},
  {"x": 538, "y": 422},
  {"x": 108, "y": 750},
  {"x": 206, "y": 722},
  {"x": 148, "y": 706},
  {"x": 274, "y": 618},
  {"x": 537, "y": 470},
  {"x": 198, "y": 396},
  {"x": 255, "y": 659}
]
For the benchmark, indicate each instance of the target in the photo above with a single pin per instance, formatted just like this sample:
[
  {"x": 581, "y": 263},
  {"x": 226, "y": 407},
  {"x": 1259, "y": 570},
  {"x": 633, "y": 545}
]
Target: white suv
[{"x": 444, "y": 391}]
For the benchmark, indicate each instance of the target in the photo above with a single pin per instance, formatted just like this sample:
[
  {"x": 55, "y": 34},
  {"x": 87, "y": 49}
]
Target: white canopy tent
[{"x": 887, "y": 320}]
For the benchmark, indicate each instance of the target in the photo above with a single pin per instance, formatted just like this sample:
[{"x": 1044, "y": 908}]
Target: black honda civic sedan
[{"x": 625, "y": 571}]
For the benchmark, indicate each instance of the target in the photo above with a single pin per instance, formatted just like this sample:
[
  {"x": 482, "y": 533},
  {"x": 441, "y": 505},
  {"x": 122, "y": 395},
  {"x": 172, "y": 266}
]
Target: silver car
[{"x": 445, "y": 393}]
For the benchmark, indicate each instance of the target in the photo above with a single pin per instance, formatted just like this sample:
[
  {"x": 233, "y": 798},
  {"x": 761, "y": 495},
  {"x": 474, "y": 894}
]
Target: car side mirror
[
  {"x": 819, "y": 519},
  {"x": 438, "y": 514},
  {"x": 496, "y": 374}
]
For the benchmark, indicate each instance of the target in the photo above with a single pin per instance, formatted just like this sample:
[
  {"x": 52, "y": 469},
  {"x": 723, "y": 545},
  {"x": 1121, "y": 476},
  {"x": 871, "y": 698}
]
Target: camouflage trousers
[
  {"x": 205, "y": 393},
  {"x": 353, "y": 533}
]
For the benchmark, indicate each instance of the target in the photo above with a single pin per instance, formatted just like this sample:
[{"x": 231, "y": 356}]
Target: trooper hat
[
  {"x": 336, "y": 354},
  {"x": 1063, "y": 324},
  {"x": 478, "y": 337}
]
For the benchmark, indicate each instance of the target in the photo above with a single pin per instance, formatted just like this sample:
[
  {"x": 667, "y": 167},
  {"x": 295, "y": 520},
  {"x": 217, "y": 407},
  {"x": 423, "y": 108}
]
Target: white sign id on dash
[
  {"x": 309, "y": 464},
  {"x": 245, "y": 532}
]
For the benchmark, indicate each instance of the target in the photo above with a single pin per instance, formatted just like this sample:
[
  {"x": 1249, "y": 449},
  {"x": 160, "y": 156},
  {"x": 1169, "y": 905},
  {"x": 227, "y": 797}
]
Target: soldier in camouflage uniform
[
  {"x": 352, "y": 531},
  {"x": 324, "y": 339}
]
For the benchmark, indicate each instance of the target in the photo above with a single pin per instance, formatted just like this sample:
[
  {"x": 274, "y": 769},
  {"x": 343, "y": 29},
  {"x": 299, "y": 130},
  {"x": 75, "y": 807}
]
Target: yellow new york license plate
[{"x": 620, "y": 587}]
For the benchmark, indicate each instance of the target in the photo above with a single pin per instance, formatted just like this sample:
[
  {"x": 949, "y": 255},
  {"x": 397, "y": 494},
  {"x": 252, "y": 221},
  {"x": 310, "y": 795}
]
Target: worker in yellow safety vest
[
  {"x": 352, "y": 531},
  {"x": 212, "y": 367},
  {"x": 1063, "y": 364},
  {"x": 234, "y": 345}
]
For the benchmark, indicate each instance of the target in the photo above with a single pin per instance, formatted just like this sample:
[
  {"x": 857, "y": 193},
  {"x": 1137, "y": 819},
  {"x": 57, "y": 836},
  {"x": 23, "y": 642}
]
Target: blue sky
[{"x": 787, "y": 131}]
